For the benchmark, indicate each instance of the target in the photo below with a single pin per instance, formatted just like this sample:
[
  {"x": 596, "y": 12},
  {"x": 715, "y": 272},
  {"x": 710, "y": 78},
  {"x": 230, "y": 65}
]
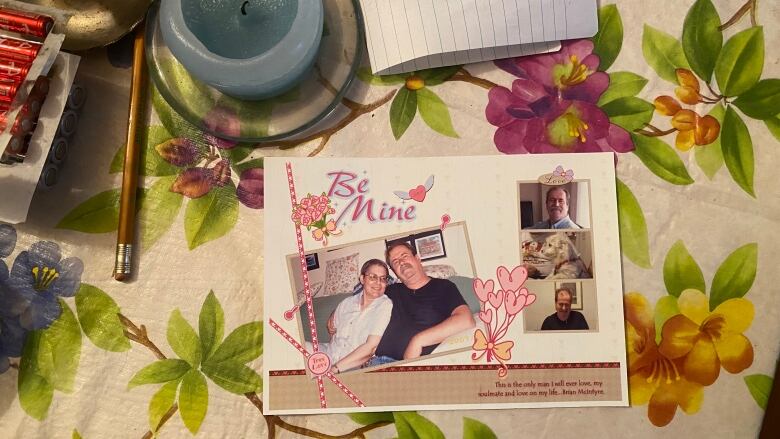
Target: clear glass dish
[{"x": 282, "y": 116}]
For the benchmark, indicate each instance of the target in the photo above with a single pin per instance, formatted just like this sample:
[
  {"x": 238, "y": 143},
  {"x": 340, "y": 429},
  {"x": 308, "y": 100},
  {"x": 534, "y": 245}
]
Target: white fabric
[{"x": 353, "y": 326}]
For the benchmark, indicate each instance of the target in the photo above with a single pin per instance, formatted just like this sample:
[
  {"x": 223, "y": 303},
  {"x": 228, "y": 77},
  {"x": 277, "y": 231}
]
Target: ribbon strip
[
  {"x": 306, "y": 290},
  {"x": 306, "y": 355}
]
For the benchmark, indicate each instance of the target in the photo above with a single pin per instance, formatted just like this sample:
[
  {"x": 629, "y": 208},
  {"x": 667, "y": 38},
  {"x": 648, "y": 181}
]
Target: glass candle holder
[{"x": 248, "y": 49}]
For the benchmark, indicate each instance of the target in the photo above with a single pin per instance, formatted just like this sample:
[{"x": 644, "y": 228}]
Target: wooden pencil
[{"x": 126, "y": 231}]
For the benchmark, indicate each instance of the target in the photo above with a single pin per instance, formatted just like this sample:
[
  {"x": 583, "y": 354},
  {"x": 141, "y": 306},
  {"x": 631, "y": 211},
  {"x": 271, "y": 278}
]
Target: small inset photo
[
  {"x": 562, "y": 306},
  {"x": 557, "y": 255},
  {"x": 554, "y": 207}
]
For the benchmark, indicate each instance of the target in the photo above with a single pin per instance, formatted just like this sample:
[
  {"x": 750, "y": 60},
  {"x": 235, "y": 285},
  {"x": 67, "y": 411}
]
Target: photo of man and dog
[
  {"x": 389, "y": 299},
  {"x": 557, "y": 255}
]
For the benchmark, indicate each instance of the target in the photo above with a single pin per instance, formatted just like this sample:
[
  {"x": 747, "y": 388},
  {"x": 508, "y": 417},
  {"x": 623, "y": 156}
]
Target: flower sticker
[
  {"x": 312, "y": 212},
  {"x": 567, "y": 175},
  {"x": 500, "y": 306}
]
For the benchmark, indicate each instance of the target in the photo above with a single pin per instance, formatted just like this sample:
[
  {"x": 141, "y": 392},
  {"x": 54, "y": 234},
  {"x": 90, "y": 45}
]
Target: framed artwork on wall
[
  {"x": 430, "y": 245},
  {"x": 312, "y": 262}
]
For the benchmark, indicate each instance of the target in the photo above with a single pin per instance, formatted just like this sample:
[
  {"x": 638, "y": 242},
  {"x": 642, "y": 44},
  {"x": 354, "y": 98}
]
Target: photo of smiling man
[
  {"x": 557, "y": 204},
  {"x": 564, "y": 319}
]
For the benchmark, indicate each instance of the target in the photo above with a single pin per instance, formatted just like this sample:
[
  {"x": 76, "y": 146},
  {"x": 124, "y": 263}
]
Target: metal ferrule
[{"x": 124, "y": 253}]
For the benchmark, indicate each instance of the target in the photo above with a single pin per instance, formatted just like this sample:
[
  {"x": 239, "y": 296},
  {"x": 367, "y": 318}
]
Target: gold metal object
[
  {"x": 96, "y": 23},
  {"x": 122, "y": 265}
]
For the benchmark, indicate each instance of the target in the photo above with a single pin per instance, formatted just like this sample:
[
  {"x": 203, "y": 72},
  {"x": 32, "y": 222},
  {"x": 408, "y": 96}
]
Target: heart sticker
[
  {"x": 418, "y": 193},
  {"x": 486, "y": 316},
  {"x": 482, "y": 289},
  {"x": 514, "y": 280}
]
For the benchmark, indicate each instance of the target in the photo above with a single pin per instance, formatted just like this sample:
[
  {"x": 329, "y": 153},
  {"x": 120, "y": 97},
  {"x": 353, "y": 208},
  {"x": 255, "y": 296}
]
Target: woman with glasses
[{"x": 360, "y": 320}]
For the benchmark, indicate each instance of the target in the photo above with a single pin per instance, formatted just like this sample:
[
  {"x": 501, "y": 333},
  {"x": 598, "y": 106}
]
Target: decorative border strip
[
  {"x": 456, "y": 368},
  {"x": 307, "y": 290}
]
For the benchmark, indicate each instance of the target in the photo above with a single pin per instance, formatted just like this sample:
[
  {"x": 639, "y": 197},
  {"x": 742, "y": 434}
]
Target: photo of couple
[{"x": 388, "y": 322}]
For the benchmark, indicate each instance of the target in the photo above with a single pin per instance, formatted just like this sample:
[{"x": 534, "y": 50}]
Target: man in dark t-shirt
[
  {"x": 425, "y": 310},
  {"x": 564, "y": 318},
  {"x": 416, "y": 311}
]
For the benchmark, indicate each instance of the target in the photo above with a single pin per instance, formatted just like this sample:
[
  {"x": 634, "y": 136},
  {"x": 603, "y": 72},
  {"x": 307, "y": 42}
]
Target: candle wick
[{"x": 243, "y": 7}]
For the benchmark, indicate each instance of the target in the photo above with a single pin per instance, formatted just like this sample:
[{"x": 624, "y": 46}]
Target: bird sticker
[{"x": 418, "y": 193}]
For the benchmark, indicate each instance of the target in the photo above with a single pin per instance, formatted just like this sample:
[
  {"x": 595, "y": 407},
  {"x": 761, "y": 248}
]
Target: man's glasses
[{"x": 374, "y": 278}]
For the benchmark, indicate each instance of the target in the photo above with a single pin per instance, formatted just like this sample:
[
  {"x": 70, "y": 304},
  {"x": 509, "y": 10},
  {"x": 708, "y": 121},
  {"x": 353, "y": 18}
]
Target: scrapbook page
[{"x": 442, "y": 283}]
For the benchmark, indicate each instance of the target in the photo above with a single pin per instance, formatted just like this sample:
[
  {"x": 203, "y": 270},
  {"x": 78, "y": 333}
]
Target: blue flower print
[
  {"x": 7, "y": 244},
  {"x": 37, "y": 279},
  {"x": 12, "y": 337},
  {"x": 7, "y": 240}
]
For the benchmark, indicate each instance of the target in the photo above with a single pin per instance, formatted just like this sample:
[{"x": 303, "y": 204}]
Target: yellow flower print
[
  {"x": 706, "y": 340},
  {"x": 655, "y": 379}
]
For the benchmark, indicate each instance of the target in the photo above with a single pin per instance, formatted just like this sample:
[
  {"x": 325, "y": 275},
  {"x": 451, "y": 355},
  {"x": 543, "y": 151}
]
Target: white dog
[{"x": 568, "y": 263}]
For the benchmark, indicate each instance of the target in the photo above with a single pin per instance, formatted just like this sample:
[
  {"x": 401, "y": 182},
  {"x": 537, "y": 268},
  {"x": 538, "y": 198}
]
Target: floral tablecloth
[{"x": 684, "y": 92}]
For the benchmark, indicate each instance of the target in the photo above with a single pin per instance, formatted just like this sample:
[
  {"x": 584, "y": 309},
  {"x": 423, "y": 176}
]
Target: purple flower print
[
  {"x": 250, "y": 188},
  {"x": 569, "y": 74},
  {"x": 552, "y": 108},
  {"x": 530, "y": 121}
]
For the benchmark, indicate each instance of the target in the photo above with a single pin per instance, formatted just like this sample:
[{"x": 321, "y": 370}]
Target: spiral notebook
[{"x": 409, "y": 35}]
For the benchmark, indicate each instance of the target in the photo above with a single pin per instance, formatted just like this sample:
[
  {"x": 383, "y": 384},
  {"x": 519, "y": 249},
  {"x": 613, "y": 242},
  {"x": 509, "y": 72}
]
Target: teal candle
[{"x": 249, "y": 49}]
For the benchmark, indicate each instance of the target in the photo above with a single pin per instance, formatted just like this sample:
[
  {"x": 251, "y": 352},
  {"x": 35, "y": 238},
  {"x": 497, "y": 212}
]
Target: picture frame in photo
[
  {"x": 430, "y": 245},
  {"x": 576, "y": 291},
  {"x": 312, "y": 261}
]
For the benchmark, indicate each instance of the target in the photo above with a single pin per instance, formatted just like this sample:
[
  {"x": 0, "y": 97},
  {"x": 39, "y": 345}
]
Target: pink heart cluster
[
  {"x": 512, "y": 294},
  {"x": 502, "y": 305}
]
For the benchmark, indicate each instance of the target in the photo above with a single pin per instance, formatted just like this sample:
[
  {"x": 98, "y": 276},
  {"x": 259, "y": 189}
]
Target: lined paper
[{"x": 409, "y": 35}]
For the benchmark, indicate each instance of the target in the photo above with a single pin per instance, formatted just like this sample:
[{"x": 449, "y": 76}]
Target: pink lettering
[
  {"x": 387, "y": 212},
  {"x": 339, "y": 187},
  {"x": 359, "y": 207},
  {"x": 345, "y": 186}
]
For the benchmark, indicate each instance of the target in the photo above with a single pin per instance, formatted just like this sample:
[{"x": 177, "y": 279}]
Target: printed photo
[
  {"x": 378, "y": 302},
  {"x": 557, "y": 255},
  {"x": 565, "y": 206},
  {"x": 562, "y": 306},
  {"x": 464, "y": 283}
]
